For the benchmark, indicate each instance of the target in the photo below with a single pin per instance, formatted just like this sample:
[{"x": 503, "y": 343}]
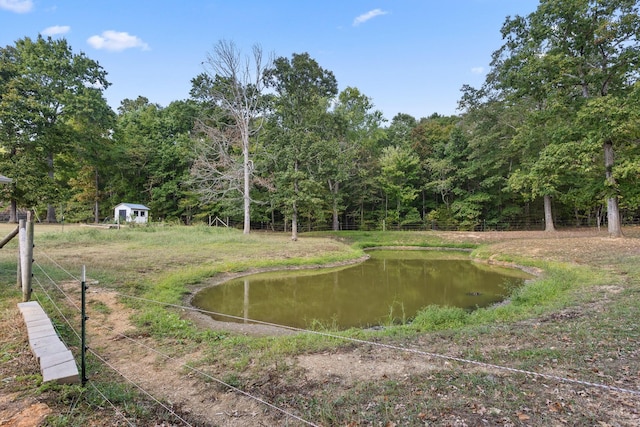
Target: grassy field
[{"x": 578, "y": 321}]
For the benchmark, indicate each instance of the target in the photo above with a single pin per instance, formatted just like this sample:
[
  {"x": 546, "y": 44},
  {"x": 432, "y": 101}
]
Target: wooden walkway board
[{"x": 56, "y": 360}]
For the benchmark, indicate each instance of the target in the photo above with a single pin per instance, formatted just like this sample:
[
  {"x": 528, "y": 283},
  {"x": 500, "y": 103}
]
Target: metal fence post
[{"x": 83, "y": 315}]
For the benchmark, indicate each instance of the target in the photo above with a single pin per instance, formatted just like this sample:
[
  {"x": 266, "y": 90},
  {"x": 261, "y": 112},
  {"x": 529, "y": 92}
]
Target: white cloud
[
  {"x": 367, "y": 16},
  {"x": 115, "y": 41},
  {"x": 17, "y": 6},
  {"x": 477, "y": 70},
  {"x": 56, "y": 30}
]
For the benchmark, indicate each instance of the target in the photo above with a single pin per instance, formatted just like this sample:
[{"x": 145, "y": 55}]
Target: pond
[{"x": 389, "y": 287}]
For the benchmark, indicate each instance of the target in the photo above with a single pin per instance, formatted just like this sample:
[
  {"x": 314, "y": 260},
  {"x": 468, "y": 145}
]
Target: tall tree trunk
[
  {"x": 294, "y": 214},
  {"x": 51, "y": 214},
  {"x": 294, "y": 222},
  {"x": 548, "y": 214},
  {"x": 613, "y": 218},
  {"x": 13, "y": 212},
  {"x": 96, "y": 205},
  {"x": 51, "y": 210},
  {"x": 336, "y": 221},
  {"x": 13, "y": 209},
  {"x": 247, "y": 175},
  {"x": 613, "y": 212},
  {"x": 273, "y": 219}
]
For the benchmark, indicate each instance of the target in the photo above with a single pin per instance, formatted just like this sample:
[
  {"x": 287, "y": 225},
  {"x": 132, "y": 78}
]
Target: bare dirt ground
[{"x": 205, "y": 403}]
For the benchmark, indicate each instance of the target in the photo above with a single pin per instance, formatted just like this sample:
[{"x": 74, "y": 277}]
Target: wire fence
[
  {"x": 142, "y": 389},
  {"x": 531, "y": 224},
  {"x": 48, "y": 286}
]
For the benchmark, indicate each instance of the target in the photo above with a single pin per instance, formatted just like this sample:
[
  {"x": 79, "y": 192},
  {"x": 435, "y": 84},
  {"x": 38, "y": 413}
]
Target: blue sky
[{"x": 408, "y": 56}]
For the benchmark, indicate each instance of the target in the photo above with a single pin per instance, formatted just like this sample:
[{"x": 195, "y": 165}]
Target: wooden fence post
[
  {"x": 26, "y": 255},
  {"x": 21, "y": 228}
]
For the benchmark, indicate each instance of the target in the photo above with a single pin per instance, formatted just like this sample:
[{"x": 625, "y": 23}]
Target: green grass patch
[{"x": 369, "y": 239}]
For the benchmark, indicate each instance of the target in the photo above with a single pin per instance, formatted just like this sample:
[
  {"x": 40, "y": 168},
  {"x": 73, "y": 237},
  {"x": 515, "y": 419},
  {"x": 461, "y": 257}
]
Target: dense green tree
[
  {"x": 429, "y": 140},
  {"x": 538, "y": 174},
  {"x": 517, "y": 79},
  {"x": 44, "y": 87},
  {"x": 399, "y": 180},
  {"x": 355, "y": 128},
  {"x": 300, "y": 116},
  {"x": 399, "y": 130},
  {"x": 490, "y": 125},
  {"x": 615, "y": 119},
  {"x": 18, "y": 130},
  {"x": 86, "y": 169}
]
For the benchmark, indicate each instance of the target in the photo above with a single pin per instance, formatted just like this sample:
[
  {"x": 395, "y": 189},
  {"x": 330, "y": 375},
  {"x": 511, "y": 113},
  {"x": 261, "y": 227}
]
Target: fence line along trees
[{"x": 230, "y": 90}]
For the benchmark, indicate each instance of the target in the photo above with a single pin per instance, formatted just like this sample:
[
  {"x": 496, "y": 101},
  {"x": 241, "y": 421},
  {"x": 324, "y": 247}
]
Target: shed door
[{"x": 122, "y": 213}]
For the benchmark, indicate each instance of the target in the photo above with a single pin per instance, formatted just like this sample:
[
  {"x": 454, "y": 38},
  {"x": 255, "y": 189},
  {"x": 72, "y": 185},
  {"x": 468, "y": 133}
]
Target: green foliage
[
  {"x": 153, "y": 151},
  {"x": 442, "y": 218},
  {"x": 47, "y": 94},
  {"x": 399, "y": 176},
  {"x": 304, "y": 91},
  {"x": 565, "y": 68}
]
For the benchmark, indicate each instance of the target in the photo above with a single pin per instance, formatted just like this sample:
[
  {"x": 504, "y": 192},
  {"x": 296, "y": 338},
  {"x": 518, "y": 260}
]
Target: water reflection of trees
[{"x": 375, "y": 291}]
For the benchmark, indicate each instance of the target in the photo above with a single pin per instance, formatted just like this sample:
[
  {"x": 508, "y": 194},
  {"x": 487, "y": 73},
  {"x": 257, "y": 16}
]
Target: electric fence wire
[
  {"x": 172, "y": 412},
  {"x": 54, "y": 262},
  {"x": 118, "y": 412},
  {"x": 402, "y": 349},
  {"x": 206, "y": 375},
  {"x": 115, "y": 408},
  {"x": 71, "y": 301},
  {"x": 67, "y": 321},
  {"x": 217, "y": 380}
]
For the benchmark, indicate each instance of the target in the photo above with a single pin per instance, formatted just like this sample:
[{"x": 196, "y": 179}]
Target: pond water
[{"x": 391, "y": 286}]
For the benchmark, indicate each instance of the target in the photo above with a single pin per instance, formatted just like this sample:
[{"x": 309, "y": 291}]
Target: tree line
[{"x": 551, "y": 137}]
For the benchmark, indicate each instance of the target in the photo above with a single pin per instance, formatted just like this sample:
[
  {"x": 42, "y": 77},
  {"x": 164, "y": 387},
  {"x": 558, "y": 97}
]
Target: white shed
[{"x": 131, "y": 212}]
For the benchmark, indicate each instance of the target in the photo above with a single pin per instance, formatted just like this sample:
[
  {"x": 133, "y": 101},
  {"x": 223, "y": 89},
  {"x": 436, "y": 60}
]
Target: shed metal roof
[{"x": 134, "y": 206}]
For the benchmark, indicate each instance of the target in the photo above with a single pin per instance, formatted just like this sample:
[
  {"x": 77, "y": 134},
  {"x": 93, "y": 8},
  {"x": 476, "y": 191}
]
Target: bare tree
[
  {"x": 216, "y": 171},
  {"x": 233, "y": 84}
]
